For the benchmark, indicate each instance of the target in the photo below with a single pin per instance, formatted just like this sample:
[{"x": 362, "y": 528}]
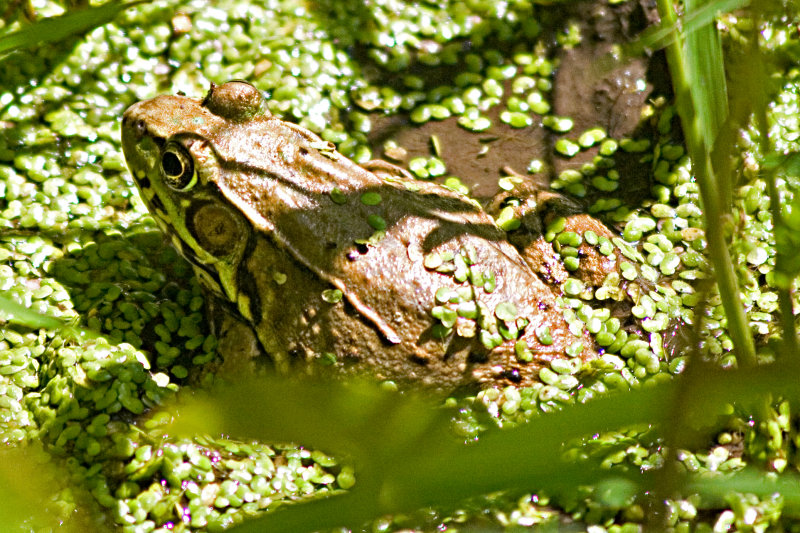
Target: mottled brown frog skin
[{"x": 275, "y": 221}]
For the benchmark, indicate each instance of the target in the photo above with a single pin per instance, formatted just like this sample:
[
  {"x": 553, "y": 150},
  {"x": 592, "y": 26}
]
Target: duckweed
[
  {"x": 377, "y": 222},
  {"x": 424, "y": 168},
  {"x": 516, "y": 119},
  {"x": 544, "y": 335},
  {"x": 106, "y": 264},
  {"x": 332, "y": 295},
  {"x": 370, "y": 198},
  {"x": 523, "y": 353},
  {"x": 567, "y": 147},
  {"x": 634, "y": 145},
  {"x": 506, "y": 311},
  {"x": 591, "y": 137},
  {"x": 557, "y": 124},
  {"x": 573, "y": 287},
  {"x": 507, "y": 220},
  {"x": 473, "y": 121}
]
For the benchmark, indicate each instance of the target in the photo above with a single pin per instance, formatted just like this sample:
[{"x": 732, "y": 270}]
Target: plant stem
[{"x": 714, "y": 210}]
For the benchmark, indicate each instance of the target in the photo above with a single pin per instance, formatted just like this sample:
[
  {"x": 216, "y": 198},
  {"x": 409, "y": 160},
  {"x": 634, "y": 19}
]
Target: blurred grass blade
[
  {"x": 403, "y": 450},
  {"x": 22, "y": 492},
  {"x": 15, "y": 313},
  {"x": 56, "y": 28},
  {"x": 351, "y": 419},
  {"x": 715, "y": 490},
  {"x": 754, "y": 99},
  {"x": 28, "y": 483},
  {"x": 406, "y": 458}
]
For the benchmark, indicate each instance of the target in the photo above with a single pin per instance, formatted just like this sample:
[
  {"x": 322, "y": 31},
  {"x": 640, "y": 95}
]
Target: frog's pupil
[{"x": 171, "y": 164}]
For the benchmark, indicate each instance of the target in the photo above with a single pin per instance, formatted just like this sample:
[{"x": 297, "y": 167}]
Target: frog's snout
[
  {"x": 134, "y": 126},
  {"x": 133, "y": 130}
]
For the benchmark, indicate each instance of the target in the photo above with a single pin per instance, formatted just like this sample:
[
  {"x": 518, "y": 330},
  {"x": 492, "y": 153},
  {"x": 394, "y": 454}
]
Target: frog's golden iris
[{"x": 177, "y": 167}]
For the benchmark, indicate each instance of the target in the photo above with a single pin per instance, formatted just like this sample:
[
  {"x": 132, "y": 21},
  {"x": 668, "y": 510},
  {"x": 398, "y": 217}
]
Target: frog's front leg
[
  {"x": 239, "y": 351},
  {"x": 240, "y": 354}
]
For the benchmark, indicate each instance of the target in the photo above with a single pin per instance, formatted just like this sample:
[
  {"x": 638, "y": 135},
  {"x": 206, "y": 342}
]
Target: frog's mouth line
[{"x": 154, "y": 203}]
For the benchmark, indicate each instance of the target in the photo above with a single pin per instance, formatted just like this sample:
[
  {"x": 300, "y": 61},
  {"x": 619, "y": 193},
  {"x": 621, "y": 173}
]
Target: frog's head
[{"x": 176, "y": 149}]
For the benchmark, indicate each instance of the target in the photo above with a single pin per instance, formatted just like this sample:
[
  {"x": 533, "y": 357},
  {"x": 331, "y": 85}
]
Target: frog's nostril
[{"x": 138, "y": 127}]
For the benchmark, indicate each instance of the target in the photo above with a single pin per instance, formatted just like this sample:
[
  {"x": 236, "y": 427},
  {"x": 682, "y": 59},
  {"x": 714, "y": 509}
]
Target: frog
[{"x": 317, "y": 265}]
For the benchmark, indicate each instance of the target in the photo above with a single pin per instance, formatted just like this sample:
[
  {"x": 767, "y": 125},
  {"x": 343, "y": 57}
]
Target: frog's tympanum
[{"x": 336, "y": 266}]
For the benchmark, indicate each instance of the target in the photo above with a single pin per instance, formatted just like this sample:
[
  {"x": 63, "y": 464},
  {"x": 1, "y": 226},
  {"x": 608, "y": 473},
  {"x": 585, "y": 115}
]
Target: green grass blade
[
  {"x": 706, "y": 73},
  {"x": 56, "y": 28},
  {"x": 692, "y": 104},
  {"x": 15, "y": 313},
  {"x": 665, "y": 33},
  {"x": 28, "y": 484},
  {"x": 715, "y": 490}
]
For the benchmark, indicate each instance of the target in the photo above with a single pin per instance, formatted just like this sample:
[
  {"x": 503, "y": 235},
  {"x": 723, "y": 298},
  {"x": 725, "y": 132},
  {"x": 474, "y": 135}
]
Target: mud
[{"x": 588, "y": 86}]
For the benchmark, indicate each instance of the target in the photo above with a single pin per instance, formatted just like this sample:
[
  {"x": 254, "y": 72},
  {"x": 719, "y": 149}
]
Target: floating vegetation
[{"x": 77, "y": 246}]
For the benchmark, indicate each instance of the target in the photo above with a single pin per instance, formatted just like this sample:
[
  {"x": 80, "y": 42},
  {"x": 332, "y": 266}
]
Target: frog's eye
[{"x": 177, "y": 167}]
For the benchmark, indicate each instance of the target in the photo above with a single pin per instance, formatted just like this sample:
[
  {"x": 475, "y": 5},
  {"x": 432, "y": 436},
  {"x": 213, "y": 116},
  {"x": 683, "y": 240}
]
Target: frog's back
[
  {"x": 333, "y": 263},
  {"x": 390, "y": 244}
]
